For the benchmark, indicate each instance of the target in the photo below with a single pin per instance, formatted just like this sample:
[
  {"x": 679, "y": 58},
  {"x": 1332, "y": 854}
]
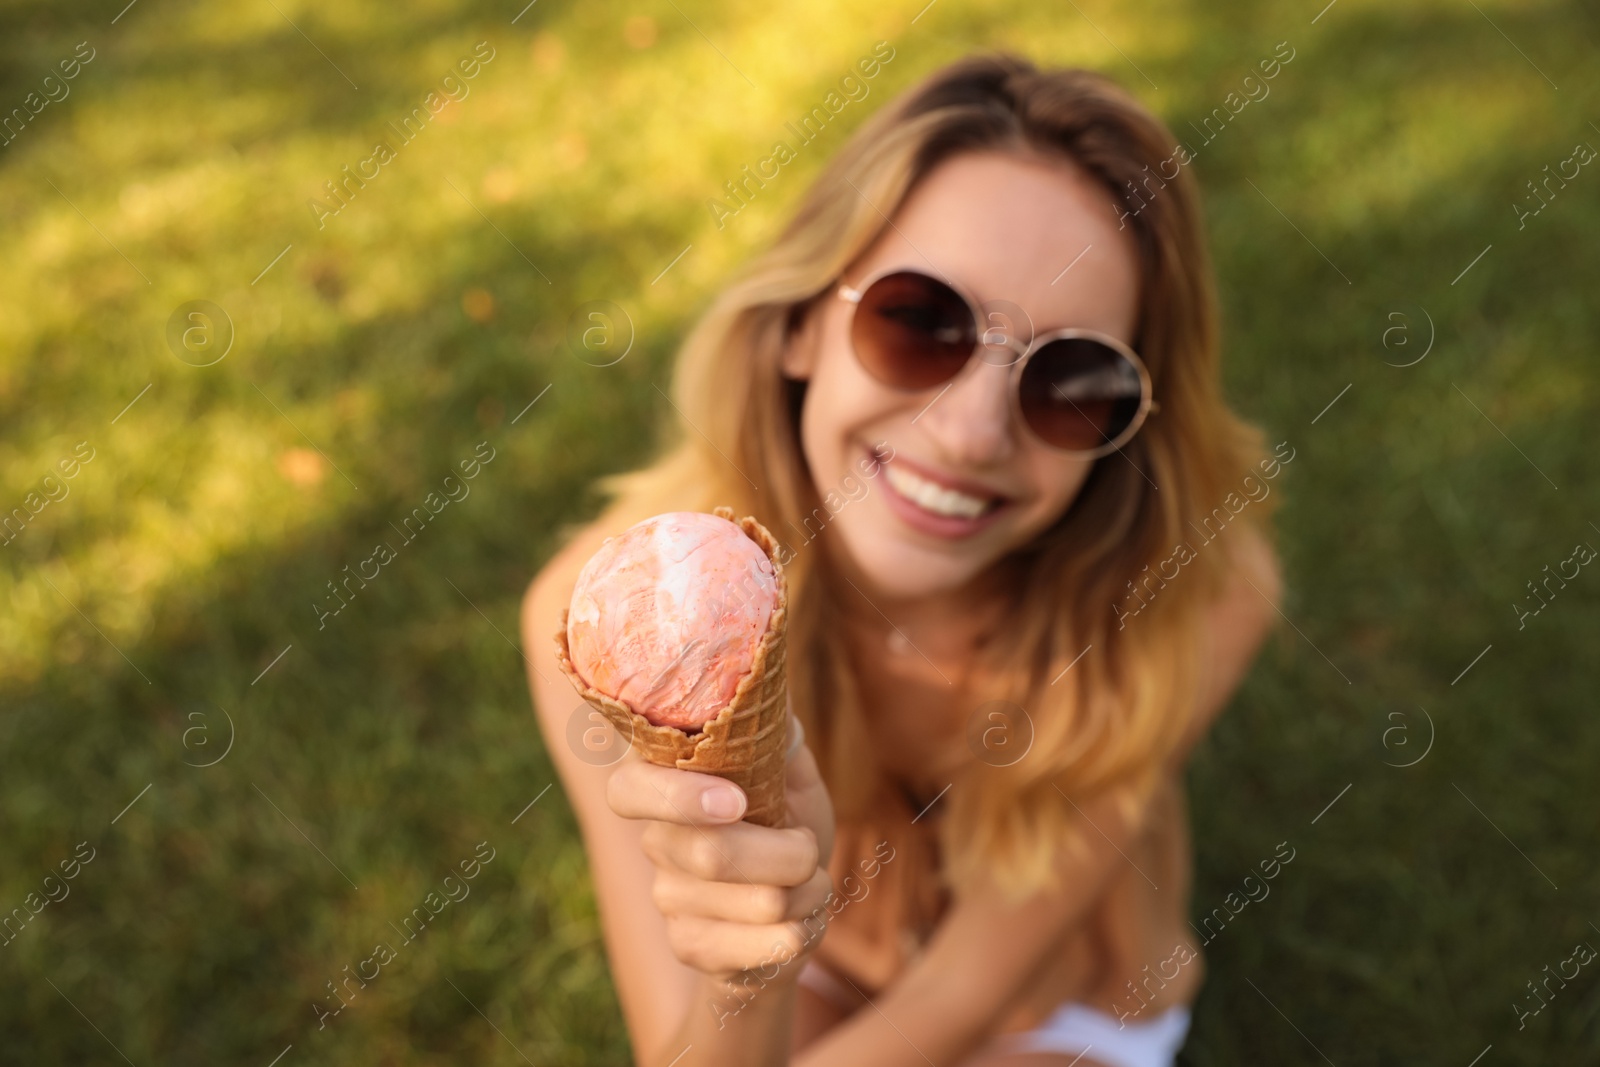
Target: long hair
[{"x": 1109, "y": 724}]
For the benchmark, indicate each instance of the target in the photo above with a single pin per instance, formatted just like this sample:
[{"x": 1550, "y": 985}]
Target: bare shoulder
[
  {"x": 548, "y": 593},
  {"x": 551, "y": 588},
  {"x": 554, "y": 699},
  {"x": 1236, "y": 623}
]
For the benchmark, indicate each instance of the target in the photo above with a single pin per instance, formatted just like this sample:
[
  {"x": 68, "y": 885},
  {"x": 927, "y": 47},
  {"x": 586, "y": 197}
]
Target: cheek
[
  {"x": 1064, "y": 480},
  {"x": 842, "y": 404},
  {"x": 1056, "y": 482}
]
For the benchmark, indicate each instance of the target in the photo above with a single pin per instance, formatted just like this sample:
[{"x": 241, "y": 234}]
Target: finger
[
  {"x": 743, "y": 852},
  {"x": 809, "y": 804},
  {"x": 716, "y": 947},
  {"x": 811, "y": 898},
  {"x": 638, "y": 789},
  {"x": 676, "y": 893}
]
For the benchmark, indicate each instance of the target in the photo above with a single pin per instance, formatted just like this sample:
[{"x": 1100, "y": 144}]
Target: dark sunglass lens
[
  {"x": 1080, "y": 394},
  {"x": 912, "y": 331}
]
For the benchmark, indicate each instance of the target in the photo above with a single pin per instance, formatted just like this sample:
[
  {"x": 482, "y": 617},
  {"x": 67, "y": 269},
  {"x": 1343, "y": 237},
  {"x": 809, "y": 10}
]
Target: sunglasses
[{"x": 1079, "y": 391}]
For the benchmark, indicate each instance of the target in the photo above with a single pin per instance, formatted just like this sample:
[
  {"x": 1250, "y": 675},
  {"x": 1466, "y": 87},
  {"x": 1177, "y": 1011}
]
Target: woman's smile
[{"x": 937, "y": 504}]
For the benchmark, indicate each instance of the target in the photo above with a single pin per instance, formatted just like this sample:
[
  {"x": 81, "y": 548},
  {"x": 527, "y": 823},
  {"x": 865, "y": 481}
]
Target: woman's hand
[{"x": 736, "y": 896}]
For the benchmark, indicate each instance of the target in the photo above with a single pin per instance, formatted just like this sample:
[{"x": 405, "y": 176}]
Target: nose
[{"x": 970, "y": 423}]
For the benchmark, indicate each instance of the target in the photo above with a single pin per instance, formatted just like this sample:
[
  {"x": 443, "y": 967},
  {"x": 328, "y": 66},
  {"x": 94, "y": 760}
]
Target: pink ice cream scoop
[{"x": 666, "y": 616}]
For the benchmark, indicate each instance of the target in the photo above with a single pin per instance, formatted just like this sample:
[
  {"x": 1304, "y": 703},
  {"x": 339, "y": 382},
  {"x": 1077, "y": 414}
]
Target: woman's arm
[
  {"x": 947, "y": 1004},
  {"x": 654, "y": 989},
  {"x": 674, "y": 885},
  {"x": 744, "y": 906}
]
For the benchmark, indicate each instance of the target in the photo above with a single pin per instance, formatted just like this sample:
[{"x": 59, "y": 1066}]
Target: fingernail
[{"x": 722, "y": 803}]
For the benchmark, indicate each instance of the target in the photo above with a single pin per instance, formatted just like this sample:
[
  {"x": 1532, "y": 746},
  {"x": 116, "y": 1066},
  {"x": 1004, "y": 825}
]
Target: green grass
[{"x": 190, "y": 550}]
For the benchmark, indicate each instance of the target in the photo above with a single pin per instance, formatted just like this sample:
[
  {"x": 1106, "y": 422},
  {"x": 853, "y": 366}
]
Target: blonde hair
[{"x": 1110, "y": 723}]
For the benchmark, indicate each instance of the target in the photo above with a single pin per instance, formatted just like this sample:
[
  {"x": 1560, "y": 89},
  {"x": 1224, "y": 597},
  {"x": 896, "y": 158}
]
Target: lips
[
  {"x": 938, "y": 504},
  {"x": 932, "y": 496}
]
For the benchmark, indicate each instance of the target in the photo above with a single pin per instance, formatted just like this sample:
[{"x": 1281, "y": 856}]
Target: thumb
[{"x": 809, "y": 804}]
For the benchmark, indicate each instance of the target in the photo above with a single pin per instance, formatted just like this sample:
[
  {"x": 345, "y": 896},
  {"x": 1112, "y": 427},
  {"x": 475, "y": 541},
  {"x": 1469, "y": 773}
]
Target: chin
[{"x": 898, "y": 567}]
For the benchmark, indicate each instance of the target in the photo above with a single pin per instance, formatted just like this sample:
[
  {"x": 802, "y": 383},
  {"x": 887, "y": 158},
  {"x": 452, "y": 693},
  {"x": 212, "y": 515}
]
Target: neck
[{"x": 950, "y": 620}]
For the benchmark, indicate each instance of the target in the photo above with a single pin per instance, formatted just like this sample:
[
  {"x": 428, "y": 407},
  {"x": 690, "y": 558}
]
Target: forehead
[{"x": 1041, "y": 234}]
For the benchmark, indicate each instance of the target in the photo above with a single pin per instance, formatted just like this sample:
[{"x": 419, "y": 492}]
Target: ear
[{"x": 801, "y": 339}]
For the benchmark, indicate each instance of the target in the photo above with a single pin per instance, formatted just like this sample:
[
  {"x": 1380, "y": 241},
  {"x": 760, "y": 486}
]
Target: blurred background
[{"x": 229, "y": 772}]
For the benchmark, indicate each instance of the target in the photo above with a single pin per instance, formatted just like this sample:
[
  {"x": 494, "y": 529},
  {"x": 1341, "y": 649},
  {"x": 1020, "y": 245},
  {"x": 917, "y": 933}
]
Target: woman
[{"x": 973, "y": 387}]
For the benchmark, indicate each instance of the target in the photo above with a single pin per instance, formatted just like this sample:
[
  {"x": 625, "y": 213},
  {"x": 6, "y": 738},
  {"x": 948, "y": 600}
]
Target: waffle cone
[{"x": 745, "y": 741}]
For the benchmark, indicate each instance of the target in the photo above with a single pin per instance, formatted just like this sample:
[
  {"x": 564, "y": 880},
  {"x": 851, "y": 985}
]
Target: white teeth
[{"x": 935, "y": 498}]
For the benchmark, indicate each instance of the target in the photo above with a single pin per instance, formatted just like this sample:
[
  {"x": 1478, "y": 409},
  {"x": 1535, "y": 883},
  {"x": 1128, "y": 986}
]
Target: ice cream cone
[{"x": 745, "y": 741}]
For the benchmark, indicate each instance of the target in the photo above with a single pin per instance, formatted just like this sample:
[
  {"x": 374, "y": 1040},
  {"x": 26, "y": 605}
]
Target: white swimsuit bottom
[{"x": 1077, "y": 1030}]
